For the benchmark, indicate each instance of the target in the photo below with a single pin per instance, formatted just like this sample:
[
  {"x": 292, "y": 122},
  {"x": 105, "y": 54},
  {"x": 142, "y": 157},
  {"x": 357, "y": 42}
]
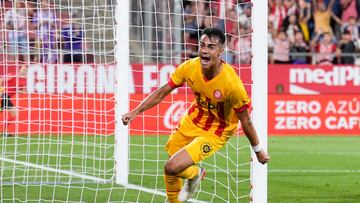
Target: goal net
[{"x": 72, "y": 68}]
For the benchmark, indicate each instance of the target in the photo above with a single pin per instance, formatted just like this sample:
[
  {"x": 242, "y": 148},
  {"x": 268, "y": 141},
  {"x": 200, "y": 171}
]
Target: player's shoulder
[
  {"x": 232, "y": 81},
  {"x": 230, "y": 73},
  {"x": 192, "y": 62}
]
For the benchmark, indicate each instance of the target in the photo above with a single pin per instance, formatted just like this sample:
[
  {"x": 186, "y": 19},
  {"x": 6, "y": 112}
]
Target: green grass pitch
[{"x": 51, "y": 169}]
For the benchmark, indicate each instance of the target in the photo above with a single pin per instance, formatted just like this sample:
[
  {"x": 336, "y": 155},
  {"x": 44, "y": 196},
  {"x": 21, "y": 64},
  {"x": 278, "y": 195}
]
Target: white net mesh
[
  {"x": 57, "y": 141},
  {"x": 58, "y": 137}
]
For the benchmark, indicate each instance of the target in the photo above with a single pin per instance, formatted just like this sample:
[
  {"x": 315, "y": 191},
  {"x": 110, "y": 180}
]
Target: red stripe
[
  {"x": 243, "y": 108},
  {"x": 221, "y": 115},
  {"x": 210, "y": 119},
  {"x": 172, "y": 84},
  {"x": 197, "y": 119},
  {"x": 191, "y": 109}
]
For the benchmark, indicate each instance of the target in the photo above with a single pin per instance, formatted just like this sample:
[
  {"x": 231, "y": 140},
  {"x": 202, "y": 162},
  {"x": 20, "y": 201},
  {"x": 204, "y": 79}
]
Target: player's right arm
[{"x": 153, "y": 99}]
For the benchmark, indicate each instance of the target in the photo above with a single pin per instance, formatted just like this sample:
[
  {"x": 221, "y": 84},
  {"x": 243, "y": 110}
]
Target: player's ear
[{"x": 222, "y": 49}]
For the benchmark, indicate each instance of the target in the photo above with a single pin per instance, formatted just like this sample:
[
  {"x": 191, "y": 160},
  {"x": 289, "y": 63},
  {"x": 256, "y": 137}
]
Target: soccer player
[
  {"x": 10, "y": 86},
  {"x": 220, "y": 101}
]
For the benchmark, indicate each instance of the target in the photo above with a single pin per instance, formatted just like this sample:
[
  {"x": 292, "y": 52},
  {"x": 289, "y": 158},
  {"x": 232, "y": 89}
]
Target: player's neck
[{"x": 212, "y": 71}]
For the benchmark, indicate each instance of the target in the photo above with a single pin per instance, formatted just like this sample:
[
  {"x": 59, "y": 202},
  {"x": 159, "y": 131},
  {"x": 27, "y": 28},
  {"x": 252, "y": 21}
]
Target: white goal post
[
  {"x": 260, "y": 95},
  {"x": 122, "y": 13}
]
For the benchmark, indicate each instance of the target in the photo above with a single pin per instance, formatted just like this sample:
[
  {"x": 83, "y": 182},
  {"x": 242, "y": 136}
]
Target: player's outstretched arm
[
  {"x": 153, "y": 99},
  {"x": 251, "y": 134}
]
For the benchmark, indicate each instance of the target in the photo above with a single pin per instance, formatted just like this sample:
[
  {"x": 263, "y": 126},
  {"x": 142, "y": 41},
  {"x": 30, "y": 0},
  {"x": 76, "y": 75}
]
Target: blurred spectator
[
  {"x": 351, "y": 27},
  {"x": 322, "y": 17},
  {"x": 290, "y": 7},
  {"x": 349, "y": 9},
  {"x": 206, "y": 23},
  {"x": 202, "y": 11},
  {"x": 346, "y": 47},
  {"x": 231, "y": 22},
  {"x": 277, "y": 13},
  {"x": 299, "y": 50},
  {"x": 243, "y": 45},
  {"x": 270, "y": 39},
  {"x": 30, "y": 8},
  {"x": 47, "y": 34},
  {"x": 72, "y": 40},
  {"x": 17, "y": 36},
  {"x": 31, "y": 27},
  {"x": 191, "y": 29},
  {"x": 245, "y": 15},
  {"x": 291, "y": 26},
  {"x": 281, "y": 49},
  {"x": 324, "y": 48},
  {"x": 336, "y": 7},
  {"x": 229, "y": 55},
  {"x": 335, "y": 23},
  {"x": 304, "y": 17}
]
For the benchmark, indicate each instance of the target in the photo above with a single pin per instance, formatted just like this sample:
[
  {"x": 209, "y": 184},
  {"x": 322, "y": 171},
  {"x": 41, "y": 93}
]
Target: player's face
[{"x": 209, "y": 51}]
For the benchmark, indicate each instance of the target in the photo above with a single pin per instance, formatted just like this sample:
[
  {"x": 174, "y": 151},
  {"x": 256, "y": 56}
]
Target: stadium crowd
[
  {"x": 34, "y": 31},
  {"x": 300, "y": 31}
]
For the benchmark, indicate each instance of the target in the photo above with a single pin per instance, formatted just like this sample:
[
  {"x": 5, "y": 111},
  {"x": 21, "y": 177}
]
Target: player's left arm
[{"x": 251, "y": 134}]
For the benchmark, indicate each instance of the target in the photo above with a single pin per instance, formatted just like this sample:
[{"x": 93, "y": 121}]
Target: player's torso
[
  {"x": 211, "y": 110},
  {"x": 208, "y": 93}
]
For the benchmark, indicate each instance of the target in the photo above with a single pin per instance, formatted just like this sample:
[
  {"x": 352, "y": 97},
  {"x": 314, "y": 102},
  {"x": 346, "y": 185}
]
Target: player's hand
[
  {"x": 262, "y": 157},
  {"x": 128, "y": 117}
]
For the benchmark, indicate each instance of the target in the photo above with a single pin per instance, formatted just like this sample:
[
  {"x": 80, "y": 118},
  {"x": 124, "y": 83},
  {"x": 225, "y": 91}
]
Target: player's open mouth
[{"x": 205, "y": 60}]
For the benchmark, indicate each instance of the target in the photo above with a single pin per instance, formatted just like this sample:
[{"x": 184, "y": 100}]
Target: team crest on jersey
[
  {"x": 217, "y": 94},
  {"x": 206, "y": 148}
]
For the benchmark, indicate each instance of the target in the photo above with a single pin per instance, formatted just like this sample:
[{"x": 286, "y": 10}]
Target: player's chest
[{"x": 210, "y": 92}]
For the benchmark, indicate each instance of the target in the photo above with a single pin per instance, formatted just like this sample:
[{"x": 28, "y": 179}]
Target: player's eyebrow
[{"x": 208, "y": 44}]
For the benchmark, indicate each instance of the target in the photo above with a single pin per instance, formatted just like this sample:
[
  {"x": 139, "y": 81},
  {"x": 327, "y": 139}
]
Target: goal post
[
  {"x": 260, "y": 95},
  {"x": 122, "y": 98}
]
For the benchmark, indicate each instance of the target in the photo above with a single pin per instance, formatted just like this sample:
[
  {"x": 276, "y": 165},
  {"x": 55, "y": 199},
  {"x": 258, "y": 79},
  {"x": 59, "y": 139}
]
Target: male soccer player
[
  {"x": 11, "y": 85},
  {"x": 220, "y": 101}
]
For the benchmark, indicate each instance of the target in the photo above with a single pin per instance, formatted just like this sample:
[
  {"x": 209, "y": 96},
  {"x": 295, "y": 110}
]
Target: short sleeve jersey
[{"x": 216, "y": 100}]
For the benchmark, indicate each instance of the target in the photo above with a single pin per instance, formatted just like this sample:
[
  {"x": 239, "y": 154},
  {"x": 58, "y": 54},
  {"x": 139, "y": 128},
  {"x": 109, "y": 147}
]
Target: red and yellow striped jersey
[{"x": 216, "y": 100}]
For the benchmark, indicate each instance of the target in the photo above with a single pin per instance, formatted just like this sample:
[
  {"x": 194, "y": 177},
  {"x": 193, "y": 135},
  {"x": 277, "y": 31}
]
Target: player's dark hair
[{"x": 214, "y": 32}]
